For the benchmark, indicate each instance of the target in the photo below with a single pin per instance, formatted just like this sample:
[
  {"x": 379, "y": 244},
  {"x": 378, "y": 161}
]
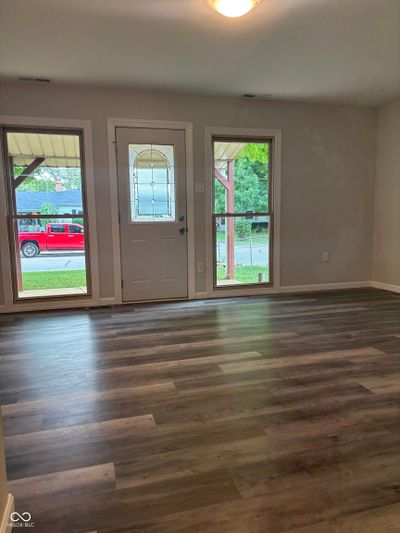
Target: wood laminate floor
[{"x": 246, "y": 415}]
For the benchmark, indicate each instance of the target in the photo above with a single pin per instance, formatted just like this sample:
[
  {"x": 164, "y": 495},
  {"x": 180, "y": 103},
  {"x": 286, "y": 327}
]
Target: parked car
[{"x": 56, "y": 236}]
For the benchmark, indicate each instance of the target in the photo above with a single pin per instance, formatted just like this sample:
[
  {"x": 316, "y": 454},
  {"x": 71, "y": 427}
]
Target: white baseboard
[
  {"x": 51, "y": 305},
  {"x": 5, "y": 525},
  {"x": 326, "y": 287},
  {"x": 288, "y": 289},
  {"x": 385, "y": 286},
  {"x": 200, "y": 295}
]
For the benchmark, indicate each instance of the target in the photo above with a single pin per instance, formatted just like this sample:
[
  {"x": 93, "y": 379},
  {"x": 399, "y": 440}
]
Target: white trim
[
  {"x": 86, "y": 127},
  {"x": 258, "y": 291},
  {"x": 276, "y": 136},
  {"x": 385, "y": 286},
  {"x": 5, "y": 526},
  {"x": 326, "y": 287},
  {"x": 113, "y": 123}
]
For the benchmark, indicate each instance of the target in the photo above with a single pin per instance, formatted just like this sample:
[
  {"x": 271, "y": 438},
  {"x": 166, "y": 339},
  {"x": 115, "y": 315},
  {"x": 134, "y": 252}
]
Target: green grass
[
  {"x": 59, "y": 279},
  {"x": 245, "y": 274}
]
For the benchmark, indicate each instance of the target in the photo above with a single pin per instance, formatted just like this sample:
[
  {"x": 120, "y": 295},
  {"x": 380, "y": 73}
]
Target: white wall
[
  {"x": 386, "y": 256},
  {"x": 328, "y": 167}
]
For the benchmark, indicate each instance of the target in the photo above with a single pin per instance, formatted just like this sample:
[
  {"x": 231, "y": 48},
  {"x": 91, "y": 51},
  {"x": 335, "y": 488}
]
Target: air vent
[
  {"x": 249, "y": 96},
  {"x": 35, "y": 80}
]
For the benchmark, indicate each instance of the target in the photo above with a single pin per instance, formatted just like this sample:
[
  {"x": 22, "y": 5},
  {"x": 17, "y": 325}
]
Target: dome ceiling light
[{"x": 233, "y": 8}]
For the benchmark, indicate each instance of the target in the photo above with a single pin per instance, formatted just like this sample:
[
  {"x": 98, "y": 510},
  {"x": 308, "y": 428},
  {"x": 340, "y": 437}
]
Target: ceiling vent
[
  {"x": 249, "y": 96},
  {"x": 35, "y": 80}
]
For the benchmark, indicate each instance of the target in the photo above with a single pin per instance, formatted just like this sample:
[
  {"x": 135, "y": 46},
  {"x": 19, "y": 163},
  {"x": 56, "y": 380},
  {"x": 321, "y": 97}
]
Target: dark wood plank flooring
[{"x": 246, "y": 415}]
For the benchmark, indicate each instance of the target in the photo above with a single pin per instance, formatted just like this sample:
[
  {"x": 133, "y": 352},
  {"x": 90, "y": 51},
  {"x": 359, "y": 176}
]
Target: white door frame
[
  {"x": 276, "y": 136},
  {"x": 187, "y": 127},
  {"x": 53, "y": 123}
]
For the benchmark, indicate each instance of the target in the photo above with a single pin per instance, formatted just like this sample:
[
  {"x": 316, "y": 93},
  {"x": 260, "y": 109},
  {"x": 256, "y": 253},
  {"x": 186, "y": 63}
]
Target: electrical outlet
[
  {"x": 325, "y": 257},
  {"x": 200, "y": 268}
]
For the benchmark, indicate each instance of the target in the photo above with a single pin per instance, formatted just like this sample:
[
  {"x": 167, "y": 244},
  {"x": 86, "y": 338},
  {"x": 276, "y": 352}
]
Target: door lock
[{"x": 181, "y": 218}]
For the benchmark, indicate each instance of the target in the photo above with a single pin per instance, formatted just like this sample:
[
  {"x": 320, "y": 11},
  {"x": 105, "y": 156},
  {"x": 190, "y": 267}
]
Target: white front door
[{"x": 152, "y": 210}]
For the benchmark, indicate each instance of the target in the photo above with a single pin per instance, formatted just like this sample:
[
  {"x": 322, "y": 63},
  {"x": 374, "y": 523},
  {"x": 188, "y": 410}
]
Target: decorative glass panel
[{"x": 151, "y": 181}]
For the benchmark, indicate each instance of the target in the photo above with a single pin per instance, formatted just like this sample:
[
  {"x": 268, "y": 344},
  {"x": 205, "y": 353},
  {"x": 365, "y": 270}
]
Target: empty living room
[{"x": 200, "y": 266}]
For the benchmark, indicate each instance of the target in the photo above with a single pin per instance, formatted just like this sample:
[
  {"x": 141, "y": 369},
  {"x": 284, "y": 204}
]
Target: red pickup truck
[{"x": 56, "y": 236}]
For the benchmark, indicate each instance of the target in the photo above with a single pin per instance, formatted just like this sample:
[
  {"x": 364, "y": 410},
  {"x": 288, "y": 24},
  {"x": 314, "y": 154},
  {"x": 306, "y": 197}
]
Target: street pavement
[{"x": 50, "y": 262}]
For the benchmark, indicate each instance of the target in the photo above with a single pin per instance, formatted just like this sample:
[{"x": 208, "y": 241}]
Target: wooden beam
[
  {"x": 27, "y": 172},
  {"x": 18, "y": 267},
  {"x": 230, "y": 221},
  {"x": 223, "y": 181},
  {"x": 229, "y": 186}
]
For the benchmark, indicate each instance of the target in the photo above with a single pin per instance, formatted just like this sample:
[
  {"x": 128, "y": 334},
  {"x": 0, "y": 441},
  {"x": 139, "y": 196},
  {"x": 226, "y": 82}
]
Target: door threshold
[{"x": 136, "y": 302}]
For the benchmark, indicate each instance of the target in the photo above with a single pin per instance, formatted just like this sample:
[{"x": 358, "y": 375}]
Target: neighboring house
[
  {"x": 64, "y": 201},
  {"x": 29, "y": 202}
]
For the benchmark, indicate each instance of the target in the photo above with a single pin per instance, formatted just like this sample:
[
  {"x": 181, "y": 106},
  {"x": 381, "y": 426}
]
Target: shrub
[{"x": 243, "y": 228}]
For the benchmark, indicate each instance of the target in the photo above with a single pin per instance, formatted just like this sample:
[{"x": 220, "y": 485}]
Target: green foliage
[
  {"x": 33, "y": 184},
  {"x": 47, "y": 208},
  {"x": 242, "y": 228},
  {"x": 43, "y": 179},
  {"x": 219, "y": 197},
  {"x": 255, "y": 152}
]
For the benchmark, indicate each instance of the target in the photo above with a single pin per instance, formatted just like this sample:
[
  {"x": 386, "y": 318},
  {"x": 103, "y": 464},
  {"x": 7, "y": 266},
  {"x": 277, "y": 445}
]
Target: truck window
[
  {"x": 57, "y": 228},
  {"x": 75, "y": 229}
]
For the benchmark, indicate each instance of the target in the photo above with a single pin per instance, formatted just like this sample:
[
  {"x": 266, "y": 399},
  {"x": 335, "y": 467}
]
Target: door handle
[{"x": 182, "y": 230}]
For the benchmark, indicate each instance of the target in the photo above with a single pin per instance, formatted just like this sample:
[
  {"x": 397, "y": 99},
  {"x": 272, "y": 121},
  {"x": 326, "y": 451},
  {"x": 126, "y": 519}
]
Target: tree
[
  {"x": 47, "y": 208},
  {"x": 44, "y": 178}
]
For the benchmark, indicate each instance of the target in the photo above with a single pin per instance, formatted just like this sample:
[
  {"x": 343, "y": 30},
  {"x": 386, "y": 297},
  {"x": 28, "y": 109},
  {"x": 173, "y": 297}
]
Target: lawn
[
  {"x": 59, "y": 279},
  {"x": 245, "y": 274}
]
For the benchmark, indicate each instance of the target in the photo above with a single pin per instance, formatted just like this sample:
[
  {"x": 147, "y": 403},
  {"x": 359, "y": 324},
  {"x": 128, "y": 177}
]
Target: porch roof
[{"x": 58, "y": 150}]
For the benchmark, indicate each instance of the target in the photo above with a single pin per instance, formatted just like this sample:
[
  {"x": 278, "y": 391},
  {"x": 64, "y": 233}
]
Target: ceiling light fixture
[{"x": 233, "y": 8}]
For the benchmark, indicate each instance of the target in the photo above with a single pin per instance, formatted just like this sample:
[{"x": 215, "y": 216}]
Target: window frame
[
  {"x": 12, "y": 217},
  {"x": 215, "y": 137}
]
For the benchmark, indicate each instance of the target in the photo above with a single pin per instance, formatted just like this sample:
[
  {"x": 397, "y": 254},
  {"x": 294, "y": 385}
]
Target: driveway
[{"x": 257, "y": 255}]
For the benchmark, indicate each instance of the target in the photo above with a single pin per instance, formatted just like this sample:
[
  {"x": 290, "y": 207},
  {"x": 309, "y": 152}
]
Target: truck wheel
[{"x": 30, "y": 249}]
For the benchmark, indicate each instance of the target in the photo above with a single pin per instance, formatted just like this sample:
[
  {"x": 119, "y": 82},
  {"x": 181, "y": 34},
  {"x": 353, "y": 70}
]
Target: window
[
  {"x": 75, "y": 229},
  {"x": 243, "y": 218},
  {"x": 44, "y": 179},
  {"x": 151, "y": 183},
  {"x": 57, "y": 228}
]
